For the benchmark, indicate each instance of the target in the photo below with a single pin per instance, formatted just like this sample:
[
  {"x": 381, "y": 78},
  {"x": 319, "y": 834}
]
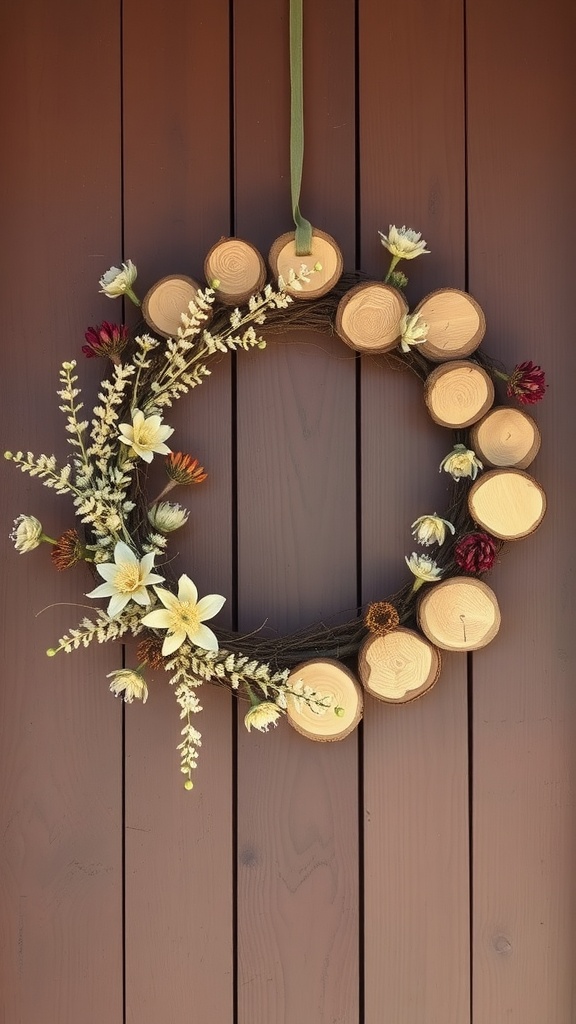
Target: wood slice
[
  {"x": 238, "y": 268},
  {"x": 458, "y": 393},
  {"x": 282, "y": 258},
  {"x": 399, "y": 666},
  {"x": 508, "y": 503},
  {"x": 368, "y": 317},
  {"x": 326, "y": 676},
  {"x": 459, "y": 614},
  {"x": 456, "y": 325},
  {"x": 506, "y": 437},
  {"x": 166, "y": 301}
]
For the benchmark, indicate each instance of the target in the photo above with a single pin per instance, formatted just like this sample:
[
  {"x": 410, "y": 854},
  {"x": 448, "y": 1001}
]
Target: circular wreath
[{"x": 395, "y": 642}]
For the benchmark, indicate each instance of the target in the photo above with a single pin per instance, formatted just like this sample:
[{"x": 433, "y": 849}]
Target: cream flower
[
  {"x": 423, "y": 568},
  {"x": 167, "y": 516},
  {"x": 146, "y": 435},
  {"x": 119, "y": 280},
  {"x": 412, "y": 332},
  {"x": 27, "y": 534},
  {"x": 461, "y": 461},
  {"x": 431, "y": 529},
  {"x": 129, "y": 682},
  {"x": 126, "y": 579},
  {"x": 403, "y": 243},
  {"x": 260, "y": 716},
  {"x": 184, "y": 617}
]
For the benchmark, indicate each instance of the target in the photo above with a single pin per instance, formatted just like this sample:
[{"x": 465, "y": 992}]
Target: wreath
[{"x": 124, "y": 536}]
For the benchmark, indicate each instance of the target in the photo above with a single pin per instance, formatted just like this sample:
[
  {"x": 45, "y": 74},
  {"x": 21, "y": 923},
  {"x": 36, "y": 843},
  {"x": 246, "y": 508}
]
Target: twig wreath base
[{"x": 396, "y": 642}]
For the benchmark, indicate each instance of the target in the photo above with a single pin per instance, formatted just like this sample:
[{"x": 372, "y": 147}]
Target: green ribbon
[{"x": 303, "y": 226}]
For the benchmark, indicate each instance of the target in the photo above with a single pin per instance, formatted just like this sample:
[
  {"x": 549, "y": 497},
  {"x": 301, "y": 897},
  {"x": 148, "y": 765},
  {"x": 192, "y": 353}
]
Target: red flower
[
  {"x": 106, "y": 340},
  {"x": 527, "y": 383},
  {"x": 476, "y": 552}
]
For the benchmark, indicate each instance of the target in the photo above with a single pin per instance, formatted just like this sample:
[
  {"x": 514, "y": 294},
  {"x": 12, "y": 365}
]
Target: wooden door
[{"x": 420, "y": 872}]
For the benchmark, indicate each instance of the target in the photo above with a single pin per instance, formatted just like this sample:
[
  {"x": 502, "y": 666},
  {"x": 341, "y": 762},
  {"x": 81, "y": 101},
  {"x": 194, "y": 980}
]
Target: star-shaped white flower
[
  {"x": 184, "y": 617},
  {"x": 146, "y": 435},
  {"x": 127, "y": 578}
]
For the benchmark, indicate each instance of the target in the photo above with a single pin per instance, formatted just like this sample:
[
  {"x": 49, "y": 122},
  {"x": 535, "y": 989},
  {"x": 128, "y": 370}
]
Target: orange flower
[{"x": 183, "y": 469}]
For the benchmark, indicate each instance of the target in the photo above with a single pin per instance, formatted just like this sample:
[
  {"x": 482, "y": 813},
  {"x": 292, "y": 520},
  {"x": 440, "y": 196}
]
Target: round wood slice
[
  {"x": 508, "y": 503},
  {"x": 166, "y": 301},
  {"x": 238, "y": 268},
  {"x": 458, "y": 393},
  {"x": 282, "y": 258},
  {"x": 399, "y": 666},
  {"x": 459, "y": 614},
  {"x": 368, "y": 317},
  {"x": 327, "y": 677},
  {"x": 506, "y": 437},
  {"x": 456, "y": 325}
]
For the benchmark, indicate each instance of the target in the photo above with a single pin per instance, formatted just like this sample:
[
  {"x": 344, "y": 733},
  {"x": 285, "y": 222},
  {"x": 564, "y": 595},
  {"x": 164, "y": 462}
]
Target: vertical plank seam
[{"x": 123, "y": 732}]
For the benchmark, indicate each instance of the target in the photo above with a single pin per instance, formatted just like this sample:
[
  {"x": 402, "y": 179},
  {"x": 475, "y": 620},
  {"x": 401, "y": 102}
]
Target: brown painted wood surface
[{"x": 299, "y": 882}]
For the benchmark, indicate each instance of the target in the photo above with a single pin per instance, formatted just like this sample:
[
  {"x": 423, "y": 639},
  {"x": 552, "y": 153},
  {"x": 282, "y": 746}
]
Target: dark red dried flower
[
  {"x": 106, "y": 340},
  {"x": 149, "y": 652},
  {"x": 476, "y": 552},
  {"x": 67, "y": 550},
  {"x": 527, "y": 383}
]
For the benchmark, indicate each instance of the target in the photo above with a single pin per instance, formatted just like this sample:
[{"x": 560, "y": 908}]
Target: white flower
[
  {"x": 167, "y": 516},
  {"x": 431, "y": 529},
  {"x": 412, "y": 332},
  {"x": 119, "y": 280},
  {"x": 184, "y": 617},
  {"x": 126, "y": 579},
  {"x": 423, "y": 568},
  {"x": 461, "y": 461},
  {"x": 130, "y": 682},
  {"x": 27, "y": 534},
  {"x": 403, "y": 243},
  {"x": 260, "y": 716},
  {"x": 146, "y": 435}
]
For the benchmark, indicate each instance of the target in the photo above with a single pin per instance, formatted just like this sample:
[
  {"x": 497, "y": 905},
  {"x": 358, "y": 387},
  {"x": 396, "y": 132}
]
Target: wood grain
[
  {"x": 61, "y": 731},
  {"x": 179, "y": 939},
  {"x": 524, "y": 711},
  {"x": 415, "y": 757}
]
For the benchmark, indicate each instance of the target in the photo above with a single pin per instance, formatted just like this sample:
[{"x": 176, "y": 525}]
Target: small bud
[
  {"x": 51, "y": 652},
  {"x": 7, "y": 455},
  {"x": 317, "y": 267},
  {"x": 339, "y": 712},
  {"x": 188, "y": 784},
  {"x": 215, "y": 283}
]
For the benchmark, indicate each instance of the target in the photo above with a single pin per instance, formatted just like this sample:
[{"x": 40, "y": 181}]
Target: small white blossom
[
  {"x": 130, "y": 683},
  {"x": 27, "y": 534},
  {"x": 260, "y": 716},
  {"x": 403, "y": 243},
  {"x": 431, "y": 529},
  {"x": 461, "y": 461},
  {"x": 119, "y": 280},
  {"x": 423, "y": 568},
  {"x": 413, "y": 331}
]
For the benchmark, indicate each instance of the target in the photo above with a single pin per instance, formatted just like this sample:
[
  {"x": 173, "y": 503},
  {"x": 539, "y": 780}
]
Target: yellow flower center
[
  {"x": 185, "y": 617},
  {"x": 144, "y": 435},
  {"x": 127, "y": 578}
]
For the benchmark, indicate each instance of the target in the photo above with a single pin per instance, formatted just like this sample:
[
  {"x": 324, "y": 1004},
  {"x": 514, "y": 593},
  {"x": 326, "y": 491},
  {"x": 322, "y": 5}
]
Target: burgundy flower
[
  {"x": 527, "y": 383},
  {"x": 106, "y": 340},
  {"x": 476, "y": 552}
]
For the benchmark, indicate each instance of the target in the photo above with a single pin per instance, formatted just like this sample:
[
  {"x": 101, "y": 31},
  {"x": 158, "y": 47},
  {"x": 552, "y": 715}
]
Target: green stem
[{"x": 393, "y": 264}]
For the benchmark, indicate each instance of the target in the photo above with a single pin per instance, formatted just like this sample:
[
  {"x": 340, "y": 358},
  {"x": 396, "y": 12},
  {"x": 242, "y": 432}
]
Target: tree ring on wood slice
[
  {"x": 506, "y": 437},
  {"x": 456, "y": 325},
  {"x": 368, "y": 317},
  {"x": 459, "y": 614},
  {"x": 165, "y": 302},
  {"x": 325, "y": 251},
  {"x": 399, "y": 666},
  {"x": 326, "y": 676},
  {"x": 458, "y": 393},
  {"x": 235, "y": 270},
  {"x": 508, "y": 503}
]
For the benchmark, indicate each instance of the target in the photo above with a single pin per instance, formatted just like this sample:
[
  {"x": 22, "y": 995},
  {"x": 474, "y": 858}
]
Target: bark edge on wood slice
[
  {"x": 459, "y": 614},
  {"x": 326, "y": 676},
  {"x": 508, "y": 503},
  {"x": 368, "y": 317},
  {"x": 399, "y": 666},
  {"x": 458, "y": 393},
  {"x": 456, "y": 324},
  {"x": 282, "y": 258},
  {"x": 238, "y": 268},
  {"x": 166, "y": 300},
  {"x": 506, "y": 437}
]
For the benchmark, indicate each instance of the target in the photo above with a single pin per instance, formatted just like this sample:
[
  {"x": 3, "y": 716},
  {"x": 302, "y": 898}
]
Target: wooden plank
[
  {"x": 179, "y": 845},
  {"x": 415, "y": 758},
  {"x": 297, "y": 801},
  {"x": 521, "y": 173},
  {"x": 60, "y": 743}
]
